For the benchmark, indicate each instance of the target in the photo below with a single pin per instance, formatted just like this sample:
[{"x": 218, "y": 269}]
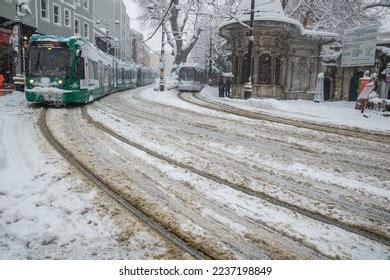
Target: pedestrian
[
  {"x": 221, "y": 86},
  {"x": 228, "y": 85}
]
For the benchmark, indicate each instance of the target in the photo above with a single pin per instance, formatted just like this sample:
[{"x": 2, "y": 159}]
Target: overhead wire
[{"x": 161, "y": 22}]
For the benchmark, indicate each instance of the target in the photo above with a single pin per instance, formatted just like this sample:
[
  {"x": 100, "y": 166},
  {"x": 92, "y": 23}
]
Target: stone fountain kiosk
[{"x": 286, "y": 57}]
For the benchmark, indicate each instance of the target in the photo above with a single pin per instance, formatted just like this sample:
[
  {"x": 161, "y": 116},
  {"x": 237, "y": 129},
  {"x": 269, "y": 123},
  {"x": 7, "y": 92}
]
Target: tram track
[
  {"x": 343, "y": 131},
  {"x": 310, "y": 214},
  {"x": 109, "y": 190}
]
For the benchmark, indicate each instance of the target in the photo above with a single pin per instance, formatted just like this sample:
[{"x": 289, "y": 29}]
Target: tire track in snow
[
  {"x": 150, "y": 222},
  {"x": 316, "y": 216}
]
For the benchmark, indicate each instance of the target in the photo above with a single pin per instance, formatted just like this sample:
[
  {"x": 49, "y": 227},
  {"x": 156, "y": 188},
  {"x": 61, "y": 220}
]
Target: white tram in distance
[{"x": 191, "y": 78}]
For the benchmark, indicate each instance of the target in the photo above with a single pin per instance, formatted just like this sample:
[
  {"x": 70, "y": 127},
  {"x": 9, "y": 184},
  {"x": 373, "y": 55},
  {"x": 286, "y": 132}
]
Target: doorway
[
  {"x": 354, "y": 86},
  {"x": 327, "y": 88}
]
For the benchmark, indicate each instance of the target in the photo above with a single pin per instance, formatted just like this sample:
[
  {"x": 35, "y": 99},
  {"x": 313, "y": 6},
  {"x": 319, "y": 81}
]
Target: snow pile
[{"x": 334, "y": 113}]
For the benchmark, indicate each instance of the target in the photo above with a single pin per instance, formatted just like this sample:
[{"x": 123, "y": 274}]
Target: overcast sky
[{"x": 132, "y": 10}]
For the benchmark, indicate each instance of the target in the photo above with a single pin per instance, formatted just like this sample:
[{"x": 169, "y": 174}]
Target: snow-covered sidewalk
[
  {"x": 340, "y": 113},
  {"x": 47, "y": 211}
]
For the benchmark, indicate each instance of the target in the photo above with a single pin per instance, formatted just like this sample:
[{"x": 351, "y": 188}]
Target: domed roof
[{"x": 272, "y": 11}]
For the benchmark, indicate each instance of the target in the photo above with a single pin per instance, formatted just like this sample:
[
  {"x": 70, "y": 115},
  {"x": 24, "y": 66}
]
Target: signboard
[{"x": 359, "y": 46}]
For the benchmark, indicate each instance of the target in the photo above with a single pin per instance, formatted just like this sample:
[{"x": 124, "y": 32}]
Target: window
[
  {"x": 76, "y": 26},
  {"x": 86, "y": 30},
  {"x": 86, "y": 4},
  {"x": 77, "y": 2},
  {"x": 67, "y": 18},
  {"x": 265, "y": 69},
  {"x": 278, "y": 68},
  {"x": 44, "y": 14},
  {"x": 92, "y": 70},
  {"x": 56, "y": 14}
]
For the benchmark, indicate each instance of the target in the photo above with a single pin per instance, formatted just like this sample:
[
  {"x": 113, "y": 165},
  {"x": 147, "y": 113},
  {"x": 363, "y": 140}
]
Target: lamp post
[{"x": 248, "y": 88}]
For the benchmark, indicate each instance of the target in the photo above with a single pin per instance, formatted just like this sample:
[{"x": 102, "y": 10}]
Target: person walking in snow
[
  {"x": 228, "y": 85},
  {"x": 221, "y": 86}
]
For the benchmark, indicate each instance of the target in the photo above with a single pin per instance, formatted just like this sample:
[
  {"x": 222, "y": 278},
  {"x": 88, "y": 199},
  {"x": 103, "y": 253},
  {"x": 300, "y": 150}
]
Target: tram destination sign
[{"x": 359, "y": 46}]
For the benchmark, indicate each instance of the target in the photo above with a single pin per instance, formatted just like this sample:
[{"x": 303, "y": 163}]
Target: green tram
[{"x": 70, "y": 70}]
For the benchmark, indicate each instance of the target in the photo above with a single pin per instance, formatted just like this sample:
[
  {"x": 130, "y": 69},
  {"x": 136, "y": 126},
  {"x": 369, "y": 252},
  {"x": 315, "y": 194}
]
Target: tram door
[{"x": 101, "y": 77}]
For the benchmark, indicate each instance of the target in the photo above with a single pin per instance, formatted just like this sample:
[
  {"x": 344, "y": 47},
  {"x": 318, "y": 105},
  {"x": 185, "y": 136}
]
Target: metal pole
[
  {"x": 107, "y": 32},
  {"x": 210, "y": 55},
  {"x": 162, "y": 60},
  {"x": 249, "y": 85},
  {"x": 19, "y": 79}
]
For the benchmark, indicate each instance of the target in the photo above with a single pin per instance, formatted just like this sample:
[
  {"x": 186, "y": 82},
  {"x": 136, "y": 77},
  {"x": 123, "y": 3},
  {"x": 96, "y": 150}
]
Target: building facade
[
  {"x": 114, "y": 30},
  {"x": 59, "y": 17},
  {"x": 286, "y": 57}
]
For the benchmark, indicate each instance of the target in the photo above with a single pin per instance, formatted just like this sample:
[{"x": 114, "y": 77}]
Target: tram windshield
[
  {"x": 49, "y": 61},
  {"x": 188, "y": 74}
]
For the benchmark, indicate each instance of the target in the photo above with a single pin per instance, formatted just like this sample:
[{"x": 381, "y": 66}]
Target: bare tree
[
  {"x": 332, "y": 15},
  {"x": 184, "y": 22}
]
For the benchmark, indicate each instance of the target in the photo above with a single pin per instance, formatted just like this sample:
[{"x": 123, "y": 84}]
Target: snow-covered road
[
  {"x": 231, "y": 187},
  {"x": 49, "y": 211}
]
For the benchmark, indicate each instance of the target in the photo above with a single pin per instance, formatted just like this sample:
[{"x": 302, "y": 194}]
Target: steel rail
[
  {"x": 95, "y": 179},
  {"x": 310, "y": 214},
  {"x": 343, "y": 131}
]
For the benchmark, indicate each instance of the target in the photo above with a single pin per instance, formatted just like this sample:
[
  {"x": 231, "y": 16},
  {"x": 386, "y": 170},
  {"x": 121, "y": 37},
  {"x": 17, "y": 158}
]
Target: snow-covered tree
[
  {"x": 332, "y": 15},
  {"x": 184, "y": 21}
]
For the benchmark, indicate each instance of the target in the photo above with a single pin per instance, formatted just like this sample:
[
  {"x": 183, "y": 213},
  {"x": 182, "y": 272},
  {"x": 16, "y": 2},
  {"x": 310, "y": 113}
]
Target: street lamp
[{"x": 107, "y": 21}]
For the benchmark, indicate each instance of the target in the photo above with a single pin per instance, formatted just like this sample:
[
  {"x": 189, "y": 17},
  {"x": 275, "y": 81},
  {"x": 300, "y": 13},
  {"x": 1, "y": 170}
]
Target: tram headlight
[
  {"x": 31, "y": 82},
  {"x": 60, "y": 82}
]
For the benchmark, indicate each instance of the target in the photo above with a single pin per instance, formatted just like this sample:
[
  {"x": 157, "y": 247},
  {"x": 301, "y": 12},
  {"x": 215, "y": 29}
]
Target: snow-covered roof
[
  {"x": 384, "y": 50},
  {"x": 272, "y": 11}
]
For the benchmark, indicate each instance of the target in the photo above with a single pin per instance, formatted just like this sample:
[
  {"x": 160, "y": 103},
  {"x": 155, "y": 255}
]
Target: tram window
[
  {"x": 93, "y": 70},
  {"x": 90, "y": 69}
]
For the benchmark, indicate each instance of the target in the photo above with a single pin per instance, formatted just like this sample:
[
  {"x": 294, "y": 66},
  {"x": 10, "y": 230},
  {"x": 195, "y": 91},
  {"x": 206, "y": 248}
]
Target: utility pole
[
  {"x": 210, "y": 54},
  {"x": 249, "y": 85},
  {"x": 21, "y": 10},
  {"x": 162, "y": 59}
]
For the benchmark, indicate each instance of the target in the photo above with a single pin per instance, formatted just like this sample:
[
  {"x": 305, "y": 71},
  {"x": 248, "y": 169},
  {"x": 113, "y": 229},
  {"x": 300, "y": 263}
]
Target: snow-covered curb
[
  {"x": 46, "y": 212},
  {"x": 340, "y": 113}
]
